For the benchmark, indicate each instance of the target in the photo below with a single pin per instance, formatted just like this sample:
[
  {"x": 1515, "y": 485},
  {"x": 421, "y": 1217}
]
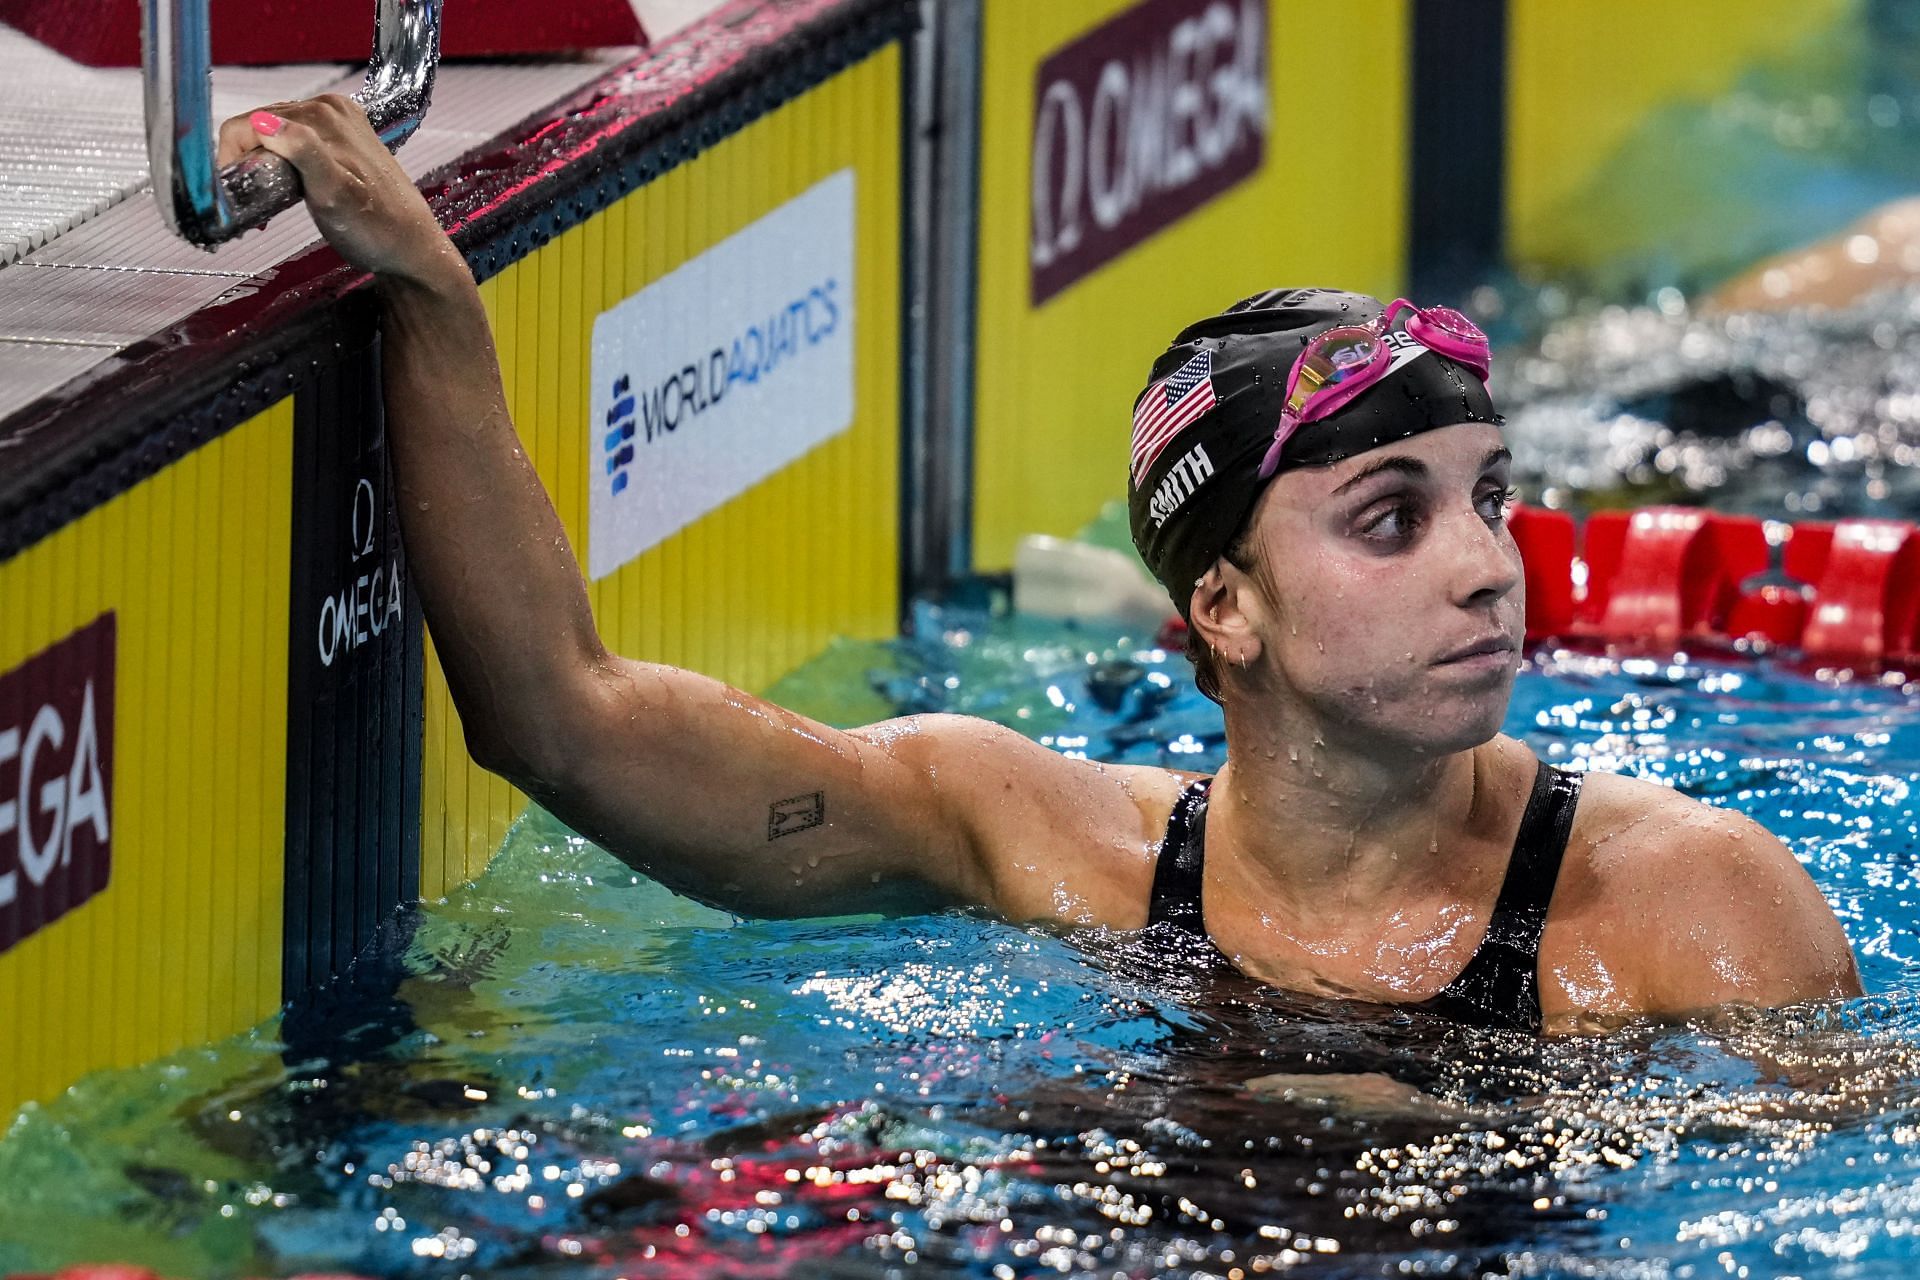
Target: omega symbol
[{"x": 364, "y": 523}]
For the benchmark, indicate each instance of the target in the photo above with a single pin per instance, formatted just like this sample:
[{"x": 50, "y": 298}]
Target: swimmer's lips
[{"x": 1494, "y": 653}]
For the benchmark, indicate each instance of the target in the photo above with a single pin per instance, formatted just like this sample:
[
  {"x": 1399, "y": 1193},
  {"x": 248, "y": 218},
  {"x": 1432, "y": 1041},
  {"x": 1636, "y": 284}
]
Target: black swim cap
[{"x": 1214, "y": 398}]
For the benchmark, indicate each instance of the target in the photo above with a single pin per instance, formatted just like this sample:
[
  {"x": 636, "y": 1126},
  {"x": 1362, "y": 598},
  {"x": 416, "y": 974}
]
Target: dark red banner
[
  {"x": 1138, "y": 123},
  {"x": 106, "y": 33},
  {"x": 56, "y": 780}
]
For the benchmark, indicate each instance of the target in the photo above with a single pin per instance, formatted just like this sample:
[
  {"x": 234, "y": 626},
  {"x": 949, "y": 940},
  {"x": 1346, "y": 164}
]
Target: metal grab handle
[{"x": 209, "y": 206}]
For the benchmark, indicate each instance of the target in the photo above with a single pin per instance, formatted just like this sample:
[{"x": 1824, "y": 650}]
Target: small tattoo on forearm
[{"x": 796, "y": 813}]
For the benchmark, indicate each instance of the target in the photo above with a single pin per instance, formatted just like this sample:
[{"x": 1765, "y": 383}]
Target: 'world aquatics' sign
[{"x": 720, "y": 373}]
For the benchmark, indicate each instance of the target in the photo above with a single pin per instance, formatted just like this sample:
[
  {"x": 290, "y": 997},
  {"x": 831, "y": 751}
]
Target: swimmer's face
[{"x": 1388, "y": 596}]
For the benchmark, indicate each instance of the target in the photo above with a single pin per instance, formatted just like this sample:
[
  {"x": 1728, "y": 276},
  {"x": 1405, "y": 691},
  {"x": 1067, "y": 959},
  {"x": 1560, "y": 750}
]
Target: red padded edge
[{"x": 106, "y": 33}]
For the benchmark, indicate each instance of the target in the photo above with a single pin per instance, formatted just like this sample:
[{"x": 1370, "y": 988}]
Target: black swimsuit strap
[
  {"x": 1183, "y": 855},
  {"x": 1500, "y": 985}
]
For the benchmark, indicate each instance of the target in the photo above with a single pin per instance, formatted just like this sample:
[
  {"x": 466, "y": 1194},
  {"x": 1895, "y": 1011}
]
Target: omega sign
[
  {"x": 371, "y": 595},
  {"x": 56, "y": 780},
  {"x": 1138, "y": 123}
]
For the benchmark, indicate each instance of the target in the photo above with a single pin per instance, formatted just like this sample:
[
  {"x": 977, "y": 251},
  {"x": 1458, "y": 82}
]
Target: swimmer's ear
[{"x": 1221, "y": 604}]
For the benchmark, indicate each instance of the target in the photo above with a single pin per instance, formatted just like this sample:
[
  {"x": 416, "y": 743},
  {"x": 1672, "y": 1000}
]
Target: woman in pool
[{"x": 1355, "y": 604}]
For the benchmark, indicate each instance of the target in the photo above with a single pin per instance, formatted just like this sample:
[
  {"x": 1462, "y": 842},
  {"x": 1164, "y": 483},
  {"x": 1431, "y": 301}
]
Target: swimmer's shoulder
[
  {"x": 1054, "y": 837},
  {"x": 1666, "y": 904}
]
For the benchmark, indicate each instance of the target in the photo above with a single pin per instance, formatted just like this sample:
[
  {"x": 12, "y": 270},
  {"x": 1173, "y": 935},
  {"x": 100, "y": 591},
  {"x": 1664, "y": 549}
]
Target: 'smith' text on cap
[{"x": 1187, "y": 474}]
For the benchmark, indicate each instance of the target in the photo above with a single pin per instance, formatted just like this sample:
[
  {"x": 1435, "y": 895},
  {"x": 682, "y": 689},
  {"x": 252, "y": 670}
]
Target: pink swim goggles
[{"x": 1342, "y": 362}]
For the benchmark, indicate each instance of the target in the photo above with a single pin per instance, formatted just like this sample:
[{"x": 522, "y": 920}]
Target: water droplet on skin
[{"x": 814, "y": 860}]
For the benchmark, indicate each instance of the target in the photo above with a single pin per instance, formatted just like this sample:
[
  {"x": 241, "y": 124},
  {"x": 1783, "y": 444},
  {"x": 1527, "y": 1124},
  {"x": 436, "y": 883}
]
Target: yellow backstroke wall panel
[
  {"x": 1584, "y": 73},
  {"x": 751, "y": 590},
  {"x": 184, "y": 943},
  {"x": 1054, "y": 386}
]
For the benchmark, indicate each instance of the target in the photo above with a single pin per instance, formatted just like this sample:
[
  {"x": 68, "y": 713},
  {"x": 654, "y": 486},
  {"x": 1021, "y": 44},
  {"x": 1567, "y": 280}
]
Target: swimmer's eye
[
  {"x": 1495, "y": 503},
  {"x": 1399, "y": 522},
  {"x": 1394, "y": 524}
]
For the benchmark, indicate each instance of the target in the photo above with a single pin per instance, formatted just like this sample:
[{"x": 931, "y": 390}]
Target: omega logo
[
  {"x": 364, "y": 511},
  {"x": 370, "y": 601},
  {"x": 56, "y": 779}
]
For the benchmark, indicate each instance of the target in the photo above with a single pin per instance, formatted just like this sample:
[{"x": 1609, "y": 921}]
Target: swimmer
[
  {"x": 1879, "y": 251},
  {"x": 1355, "y": 605}
]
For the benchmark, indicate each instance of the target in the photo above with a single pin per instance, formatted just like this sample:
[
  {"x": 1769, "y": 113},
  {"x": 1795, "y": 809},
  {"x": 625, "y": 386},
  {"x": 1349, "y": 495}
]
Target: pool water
[{"x": 566, "y": 1070}]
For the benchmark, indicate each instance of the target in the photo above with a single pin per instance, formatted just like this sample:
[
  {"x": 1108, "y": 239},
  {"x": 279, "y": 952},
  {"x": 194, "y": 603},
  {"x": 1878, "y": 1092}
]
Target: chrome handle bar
[{"x": 209, "y": 206}]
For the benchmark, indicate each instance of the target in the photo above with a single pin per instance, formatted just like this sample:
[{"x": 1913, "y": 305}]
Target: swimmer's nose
[{"x": 1486, "y": 566}]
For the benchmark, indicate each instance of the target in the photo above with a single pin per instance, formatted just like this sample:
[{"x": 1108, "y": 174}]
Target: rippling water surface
[
  {"x": 564, "y": 1070},
  {"x": 1815, "y": 414}
]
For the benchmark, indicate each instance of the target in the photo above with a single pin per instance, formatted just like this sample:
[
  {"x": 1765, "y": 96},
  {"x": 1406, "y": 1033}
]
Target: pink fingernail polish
[{"x": 265, "y": 123}]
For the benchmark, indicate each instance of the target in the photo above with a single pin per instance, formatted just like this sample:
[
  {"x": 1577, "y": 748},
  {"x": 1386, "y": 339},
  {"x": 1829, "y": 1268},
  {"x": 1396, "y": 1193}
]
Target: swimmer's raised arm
[
  {"x": 1879, "y": 251},
  {"x": 715, "y": 793}
]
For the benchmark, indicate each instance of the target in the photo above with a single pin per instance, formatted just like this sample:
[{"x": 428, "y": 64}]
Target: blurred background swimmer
[{"x": 1322, "y": 486}]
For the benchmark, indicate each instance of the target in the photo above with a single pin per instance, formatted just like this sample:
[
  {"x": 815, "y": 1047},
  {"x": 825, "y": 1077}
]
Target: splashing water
[
  {"x": 566, "y": 1065},
  {"x": 1807, "y": 414}
]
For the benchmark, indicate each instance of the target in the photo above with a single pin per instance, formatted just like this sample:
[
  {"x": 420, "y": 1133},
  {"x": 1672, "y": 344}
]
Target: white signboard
[{"x": 716, "y": 376}]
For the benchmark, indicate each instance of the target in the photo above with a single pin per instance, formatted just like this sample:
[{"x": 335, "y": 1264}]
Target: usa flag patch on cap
[{"x": 1167, "y": 406}]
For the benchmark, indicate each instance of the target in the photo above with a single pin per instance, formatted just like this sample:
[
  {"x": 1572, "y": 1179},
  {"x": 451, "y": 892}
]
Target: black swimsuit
[{"x": 1500, "y": 986}]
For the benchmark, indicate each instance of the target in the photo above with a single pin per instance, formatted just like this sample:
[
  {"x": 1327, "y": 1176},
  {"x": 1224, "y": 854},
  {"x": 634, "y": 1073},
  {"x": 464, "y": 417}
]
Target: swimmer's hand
[
  {"x": 361, "y": 199},
  {"x": 1368, "y": 1094}
]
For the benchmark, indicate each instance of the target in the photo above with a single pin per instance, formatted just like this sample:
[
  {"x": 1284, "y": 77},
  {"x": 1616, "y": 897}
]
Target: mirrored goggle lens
[{"x": 1336, "y": 356}]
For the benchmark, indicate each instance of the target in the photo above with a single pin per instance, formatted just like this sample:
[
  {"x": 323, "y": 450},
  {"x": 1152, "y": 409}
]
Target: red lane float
[
  {"x": 1663, "y": 577},
  {"x": 1546, "y": 551},
  {"x": 1668, "y": 573},
  {"x": 1867, "y": 592}
]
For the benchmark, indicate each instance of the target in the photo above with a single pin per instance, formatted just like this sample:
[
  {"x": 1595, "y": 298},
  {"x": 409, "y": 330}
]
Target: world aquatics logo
[{"x": 751, "y": 356}]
